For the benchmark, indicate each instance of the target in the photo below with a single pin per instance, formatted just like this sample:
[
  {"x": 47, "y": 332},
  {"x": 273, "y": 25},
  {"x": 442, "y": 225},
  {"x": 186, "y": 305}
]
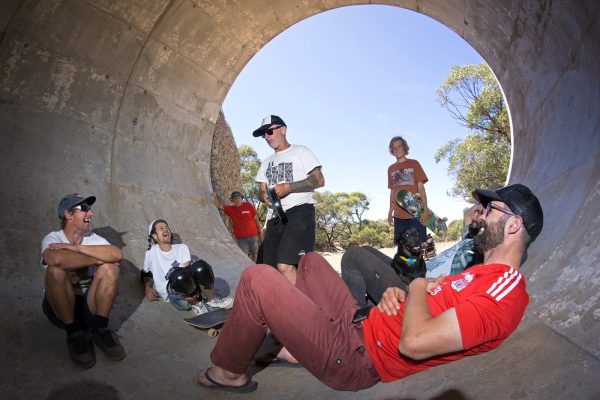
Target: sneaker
[
  {"x": 81, "y": 349},
  {"x": 200, "y": 308},
  {"x": 109, "y": 344},
  {"x": 221, "y": 302}
]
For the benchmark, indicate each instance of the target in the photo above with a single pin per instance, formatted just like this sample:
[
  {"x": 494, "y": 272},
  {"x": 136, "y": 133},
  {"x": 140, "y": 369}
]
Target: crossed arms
[
  {"x": 73, "y": 256},
  {"x": 423, "y": 335}
]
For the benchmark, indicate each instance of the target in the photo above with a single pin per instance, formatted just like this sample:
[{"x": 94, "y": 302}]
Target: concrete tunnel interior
[{"x": 76, "y": 74}]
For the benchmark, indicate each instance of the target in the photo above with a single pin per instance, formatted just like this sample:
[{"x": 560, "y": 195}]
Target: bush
[{"x": 455, "y": 230}]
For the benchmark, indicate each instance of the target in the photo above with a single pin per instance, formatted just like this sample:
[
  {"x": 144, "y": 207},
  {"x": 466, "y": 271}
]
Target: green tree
[
  {"x": 455, "y": 229},
  {"x": 337, "y": 216},
  {"x": 377, "y": 234},
  {"x": 249, "y": 165},
  {"x": 473, "y": 97}
]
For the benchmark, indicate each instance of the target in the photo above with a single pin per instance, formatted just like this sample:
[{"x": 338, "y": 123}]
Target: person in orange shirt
[{"x": 406, "y": 174}]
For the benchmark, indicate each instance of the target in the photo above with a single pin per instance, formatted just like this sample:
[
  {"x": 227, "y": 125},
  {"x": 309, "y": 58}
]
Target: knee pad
[
  {"x": 202, "y": 274},
  {"x": 181, "y": 281}
]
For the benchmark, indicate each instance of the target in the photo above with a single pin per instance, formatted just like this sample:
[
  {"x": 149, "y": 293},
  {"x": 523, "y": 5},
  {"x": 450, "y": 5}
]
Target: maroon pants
[{"x": 313, "y": 320}]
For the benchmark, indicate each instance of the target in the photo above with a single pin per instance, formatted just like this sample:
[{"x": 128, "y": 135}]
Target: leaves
[{"x": 481, "y": 160}]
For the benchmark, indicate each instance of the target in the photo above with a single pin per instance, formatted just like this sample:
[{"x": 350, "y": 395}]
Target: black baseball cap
[
  {"x": 521, "y": 200},
  {"x": 267, "y": 122},
  {"x": 236, "y": 194},
  {"x": 72, "y": 200}
]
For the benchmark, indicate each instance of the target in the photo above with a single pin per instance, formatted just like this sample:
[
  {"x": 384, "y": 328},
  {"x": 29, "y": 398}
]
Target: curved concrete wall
[{"x": 120, "y": 98}]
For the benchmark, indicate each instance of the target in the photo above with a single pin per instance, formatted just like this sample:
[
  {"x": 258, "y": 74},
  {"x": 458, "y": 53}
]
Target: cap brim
[
  {"x": 485, "y": 196},
  {"x": 261, "y": 131},
  {"x": 88, "y": 200}
]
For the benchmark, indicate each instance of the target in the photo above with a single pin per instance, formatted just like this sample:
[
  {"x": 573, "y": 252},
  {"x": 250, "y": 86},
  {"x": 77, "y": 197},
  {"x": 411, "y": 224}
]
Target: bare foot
[
  {"x": 221, "y": 376},
  {"x": 285, "y": 355}
]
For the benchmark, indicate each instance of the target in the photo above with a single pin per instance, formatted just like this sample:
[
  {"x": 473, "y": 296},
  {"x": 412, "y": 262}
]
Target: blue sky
[{"x": 345, "y": 82}]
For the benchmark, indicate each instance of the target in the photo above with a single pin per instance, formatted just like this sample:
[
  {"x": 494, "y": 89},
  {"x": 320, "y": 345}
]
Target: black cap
[
  {"x": 521, "y": 200},
  {"x": 72, "y": 200},
  {"x": 267, "y": 122}
]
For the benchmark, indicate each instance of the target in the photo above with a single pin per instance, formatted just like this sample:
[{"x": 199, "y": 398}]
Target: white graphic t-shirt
[
  {"x": 290, "y": 165},
  {"x": 160, "y": 263}
]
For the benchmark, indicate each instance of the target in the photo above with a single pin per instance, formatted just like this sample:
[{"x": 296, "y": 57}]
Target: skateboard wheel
[{"x": 212, "y": 332}]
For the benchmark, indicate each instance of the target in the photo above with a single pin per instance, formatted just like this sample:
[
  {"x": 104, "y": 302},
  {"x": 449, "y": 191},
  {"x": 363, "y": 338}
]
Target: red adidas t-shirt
[
  {"x": 242, "y": 218},
  {"x": 490, "y": 301}
]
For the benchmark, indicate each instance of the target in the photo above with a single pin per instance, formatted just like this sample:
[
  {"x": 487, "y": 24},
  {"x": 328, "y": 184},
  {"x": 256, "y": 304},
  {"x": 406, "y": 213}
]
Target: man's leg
[
  {"x": 298, "y": 238},
  {"x": 313, "y": 321},
  {"x": 271, "y": 242},
  {"x": 59, "y": 306},
  {"x": 60, "y": 294},
  {"x": 100, "y": 299},
  {"x": 368, "y": 271}
]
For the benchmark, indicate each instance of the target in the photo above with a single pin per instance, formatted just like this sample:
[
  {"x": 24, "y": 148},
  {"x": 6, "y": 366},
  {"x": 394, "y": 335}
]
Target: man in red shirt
[
  {"x": 350, "y": 348},
  {"x": 246, "y": 225}
]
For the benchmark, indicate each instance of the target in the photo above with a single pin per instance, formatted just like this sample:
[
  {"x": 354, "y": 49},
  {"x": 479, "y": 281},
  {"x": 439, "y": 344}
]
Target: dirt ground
[{"x": 335, "y": 258}]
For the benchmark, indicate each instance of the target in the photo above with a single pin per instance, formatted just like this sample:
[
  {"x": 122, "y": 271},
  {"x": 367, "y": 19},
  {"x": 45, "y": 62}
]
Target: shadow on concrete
[
  {"x": 131, "y": 291},
  {"x": 85, "y": 390}
]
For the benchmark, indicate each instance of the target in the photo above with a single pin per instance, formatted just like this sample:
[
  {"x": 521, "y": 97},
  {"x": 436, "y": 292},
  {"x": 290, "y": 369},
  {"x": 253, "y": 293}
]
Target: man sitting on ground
[
  {"x": 440, "y": 320},
  {"x": 162, "y": 258},
  {"x": 81, "y": 280}
]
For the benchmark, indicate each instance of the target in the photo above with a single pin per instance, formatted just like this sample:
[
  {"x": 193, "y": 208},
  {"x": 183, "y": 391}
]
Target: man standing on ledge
[
  {"x": 440, "y": 320},
  {"x": 294, "y": 173},
  {"x": 246, "y": 225},
  {"x": 81, "y": 279}
]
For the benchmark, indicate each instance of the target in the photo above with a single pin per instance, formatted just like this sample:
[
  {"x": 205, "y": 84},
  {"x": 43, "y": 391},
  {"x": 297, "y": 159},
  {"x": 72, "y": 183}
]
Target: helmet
[
  {"x": 181, "y": 281},
  {"x": 203, "y": 274}
]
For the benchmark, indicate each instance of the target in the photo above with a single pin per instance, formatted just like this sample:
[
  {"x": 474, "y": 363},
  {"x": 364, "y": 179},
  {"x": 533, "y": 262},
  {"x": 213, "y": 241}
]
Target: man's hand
[
  {"x": 282, "y": 189},
  {"x": 433, "y": 282},
  {"x": 391, "y": 299},
  {"x": 151, "y": 294},
  {"x": 64, "y": 246},
  {"x": 424, "y": 217}
]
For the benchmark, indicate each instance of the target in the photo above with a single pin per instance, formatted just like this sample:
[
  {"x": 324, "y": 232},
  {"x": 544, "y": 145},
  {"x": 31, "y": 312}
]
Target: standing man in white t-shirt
[
  {"x": 81, "y": 279},
  {"x": 294, "y": 173},
  {"x": 162, "y": 258}
]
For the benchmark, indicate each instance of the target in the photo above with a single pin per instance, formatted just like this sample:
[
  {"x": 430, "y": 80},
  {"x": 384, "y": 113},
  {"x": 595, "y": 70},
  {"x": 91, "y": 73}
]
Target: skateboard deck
[
  {"x": 212, "y": 321},
  {"x": 411, "y": 203},
  {"x": 277, "y": 207}
]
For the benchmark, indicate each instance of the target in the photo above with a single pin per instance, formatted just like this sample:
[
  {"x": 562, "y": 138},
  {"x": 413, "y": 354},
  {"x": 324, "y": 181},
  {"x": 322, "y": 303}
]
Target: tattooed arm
[{"x": 314, "y": 181}]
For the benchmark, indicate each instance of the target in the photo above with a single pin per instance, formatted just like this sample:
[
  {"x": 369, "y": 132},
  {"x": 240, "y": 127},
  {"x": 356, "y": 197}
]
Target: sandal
[{"x": 249, "y": 386}]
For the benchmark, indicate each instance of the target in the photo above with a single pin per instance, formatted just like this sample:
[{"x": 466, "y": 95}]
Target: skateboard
[
  {"x": 212, "y": 321},
  {"x": 277, "y": 208},
  {"x": 411, "y": 203}
]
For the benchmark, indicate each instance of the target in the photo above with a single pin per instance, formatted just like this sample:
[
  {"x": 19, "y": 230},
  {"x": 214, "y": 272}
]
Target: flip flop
[{"x": 250, "y": 385}]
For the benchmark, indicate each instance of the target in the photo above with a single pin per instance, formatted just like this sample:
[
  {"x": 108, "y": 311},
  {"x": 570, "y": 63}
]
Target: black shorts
[
  {"x": 286, "y": 243},
  {"x": 82, "y": 312}
]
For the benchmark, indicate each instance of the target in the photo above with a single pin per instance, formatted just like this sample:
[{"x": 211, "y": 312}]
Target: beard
[
  {"x": 492, "y": 236},
  {"x": 474, "y": 228}
]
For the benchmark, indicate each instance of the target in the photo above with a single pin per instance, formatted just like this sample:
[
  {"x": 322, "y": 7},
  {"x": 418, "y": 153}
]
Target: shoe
[
  {"x": 200, "y": 308},
  {"x": 81, "y": 349},
  {"x": 109, "y": 344},
  {"x": 221, "y": 302}
]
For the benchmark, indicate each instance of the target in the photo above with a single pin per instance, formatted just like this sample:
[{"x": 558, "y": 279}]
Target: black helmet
[
  {"x": 203, "y": 274},
  {"x": 181, "y": 281}
]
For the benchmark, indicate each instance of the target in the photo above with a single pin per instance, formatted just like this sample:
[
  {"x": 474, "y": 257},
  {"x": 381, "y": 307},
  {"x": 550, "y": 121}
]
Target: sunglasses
[
  {"x": 270, "y": 131},
  {"x": 491, "y": 206},
  {"x": 82, "y": 207}
]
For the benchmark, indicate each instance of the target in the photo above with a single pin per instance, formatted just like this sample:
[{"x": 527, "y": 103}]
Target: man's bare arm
[
  {"x": 423, "y": 335},
  {"x": 216, "y": 200},
  {"x": 262, "y": 192},
  {"x": 70, "y": 256},
  {"x": 314, "y": 181}
]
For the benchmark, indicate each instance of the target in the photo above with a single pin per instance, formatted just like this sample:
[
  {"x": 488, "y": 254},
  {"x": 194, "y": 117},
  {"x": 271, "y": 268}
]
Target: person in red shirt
[
  {"x": 246, "y": 225},
  {"x": 440, "y": 320}
]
